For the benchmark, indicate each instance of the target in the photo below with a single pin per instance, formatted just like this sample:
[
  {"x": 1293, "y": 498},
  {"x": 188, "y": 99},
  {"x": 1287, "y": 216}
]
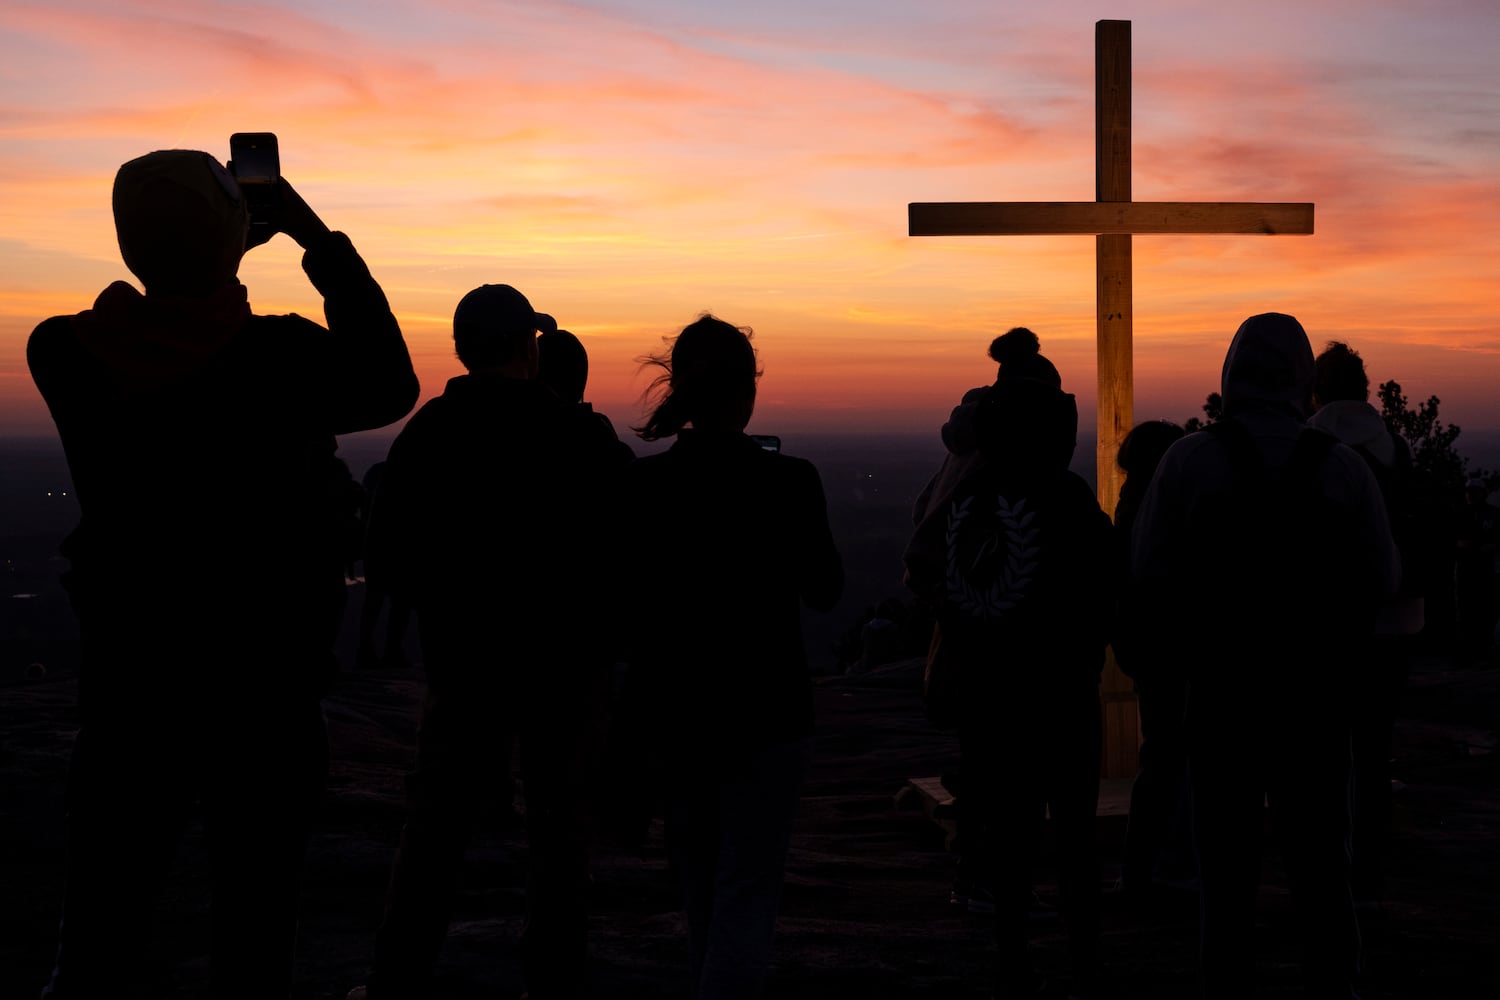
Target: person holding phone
[{"x": 207, "y": 568}]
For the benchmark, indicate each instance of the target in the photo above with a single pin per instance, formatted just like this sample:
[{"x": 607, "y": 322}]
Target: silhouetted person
[
  {"x": 1341, "y": 391},
  {"x": 391, "y": 651},
  {"x": 1158, "y": 833},
  {"x": 971, "y": 889},
  {"x": 1263, "y": 550},
  {"x": 488, "y": 520},
  {"x": 200, "y": 688},
  {"x": 1478, "y": 541},
  {"x": 563, "y": 366},
  {"x": 1020, "y": 568},
  {"x": 723, "y": 542}
]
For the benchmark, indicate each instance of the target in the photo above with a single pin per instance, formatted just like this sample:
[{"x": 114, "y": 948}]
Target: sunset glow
[{"x": 630, "y": 164}]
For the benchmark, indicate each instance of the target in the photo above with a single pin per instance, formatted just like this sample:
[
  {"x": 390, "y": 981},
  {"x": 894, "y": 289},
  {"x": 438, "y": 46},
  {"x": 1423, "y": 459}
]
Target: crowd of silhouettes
[
  {"x": 1263, "y": 587},
  {"x": 1262, "y": 583}
]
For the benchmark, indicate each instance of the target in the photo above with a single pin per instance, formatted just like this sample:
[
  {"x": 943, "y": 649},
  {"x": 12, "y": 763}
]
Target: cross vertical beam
[{"x": 1114, "y": 311}]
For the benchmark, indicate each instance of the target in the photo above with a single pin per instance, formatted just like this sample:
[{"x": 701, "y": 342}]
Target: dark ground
[{"x": 865, "y": 913}]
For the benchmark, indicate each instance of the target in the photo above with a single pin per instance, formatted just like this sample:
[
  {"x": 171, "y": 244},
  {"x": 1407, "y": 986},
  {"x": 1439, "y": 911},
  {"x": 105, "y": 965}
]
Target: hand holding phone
[
  {"x": 296, "y": 218},
  {"x": 275, "y": 207}
]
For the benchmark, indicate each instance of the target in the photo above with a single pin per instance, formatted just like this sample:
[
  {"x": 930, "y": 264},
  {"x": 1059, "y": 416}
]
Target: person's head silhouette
[
  {"x": 708, "y": 380},
  {"x": 494, "y": 329},
  {"x": 181, "y": 221},
  {"x": 1025, "y": 421},
  {"x": 1269, "y": 368},
  {"x": 563, "y": 364},
  {"x": 1339, "y": 374},
  {"x": 1144, "y": 445}
]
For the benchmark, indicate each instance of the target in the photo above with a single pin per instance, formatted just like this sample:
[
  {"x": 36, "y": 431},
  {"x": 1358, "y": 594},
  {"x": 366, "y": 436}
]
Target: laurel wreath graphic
[{"x": 1017, "y": 564}]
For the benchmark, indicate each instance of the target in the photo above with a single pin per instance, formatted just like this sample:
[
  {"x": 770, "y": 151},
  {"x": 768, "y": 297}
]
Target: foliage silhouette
[
  {"x": 1213, "y": 410},
  {"x": 1434, "y": 449}
]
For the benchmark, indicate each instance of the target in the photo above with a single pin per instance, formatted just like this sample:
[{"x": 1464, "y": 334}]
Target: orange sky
[{"x": 630, "y": 164}]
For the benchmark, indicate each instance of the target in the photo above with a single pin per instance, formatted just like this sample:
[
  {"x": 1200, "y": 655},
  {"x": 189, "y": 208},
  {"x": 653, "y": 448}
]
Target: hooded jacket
[
  {"x": 201, "y": 442},
  {"x": 1266, "y": 384},
  {"x": 1360, "y": 426}
]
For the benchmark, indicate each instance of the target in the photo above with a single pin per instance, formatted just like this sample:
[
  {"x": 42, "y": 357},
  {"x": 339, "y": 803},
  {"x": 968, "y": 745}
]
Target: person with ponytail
[{"x": 724, "y": 542}]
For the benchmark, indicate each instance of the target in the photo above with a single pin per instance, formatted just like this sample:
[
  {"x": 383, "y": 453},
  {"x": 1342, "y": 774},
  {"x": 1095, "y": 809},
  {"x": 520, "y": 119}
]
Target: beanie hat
[{"x": 1018, "y": 353}]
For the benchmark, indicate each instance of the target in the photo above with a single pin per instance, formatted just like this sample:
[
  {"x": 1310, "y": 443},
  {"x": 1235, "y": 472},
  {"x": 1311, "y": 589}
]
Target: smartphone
[
  {"x": 770, "y": 442},
  {"x": 255, "y": 157}
]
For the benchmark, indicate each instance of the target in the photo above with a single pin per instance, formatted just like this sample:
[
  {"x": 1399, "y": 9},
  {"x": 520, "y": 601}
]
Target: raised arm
[{"x": 370, "y": 379}]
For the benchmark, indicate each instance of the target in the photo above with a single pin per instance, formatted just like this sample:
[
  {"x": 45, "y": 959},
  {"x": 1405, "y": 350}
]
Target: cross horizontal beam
[{"x": 1104, "y": 218}]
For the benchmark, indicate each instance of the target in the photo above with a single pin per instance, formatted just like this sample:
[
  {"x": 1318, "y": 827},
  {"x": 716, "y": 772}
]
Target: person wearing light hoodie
[
  {"x": 207, "y": 570},
  {"x": 1261, "y": 552},
  {"x": 1341, "y": 392}
]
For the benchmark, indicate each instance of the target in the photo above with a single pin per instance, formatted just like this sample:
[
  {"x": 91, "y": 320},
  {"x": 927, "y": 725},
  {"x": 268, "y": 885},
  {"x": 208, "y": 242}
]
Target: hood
[
  {"x": 148, "y": 341},
  {"x": 1357, "y": 424},
  {"x": 181, "y": 221},
  {"x": 1269, "y": 368},
  {"x": 958, "y": 433}
]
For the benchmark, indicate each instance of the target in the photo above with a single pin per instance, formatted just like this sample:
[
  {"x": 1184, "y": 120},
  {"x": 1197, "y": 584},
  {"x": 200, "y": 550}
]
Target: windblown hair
[
  {"x": 1339, "y": 373},
  {"x": 707, "y": 366}
]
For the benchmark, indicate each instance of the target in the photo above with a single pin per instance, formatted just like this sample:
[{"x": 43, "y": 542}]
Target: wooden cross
[{"x": 1111, "y": 218}]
